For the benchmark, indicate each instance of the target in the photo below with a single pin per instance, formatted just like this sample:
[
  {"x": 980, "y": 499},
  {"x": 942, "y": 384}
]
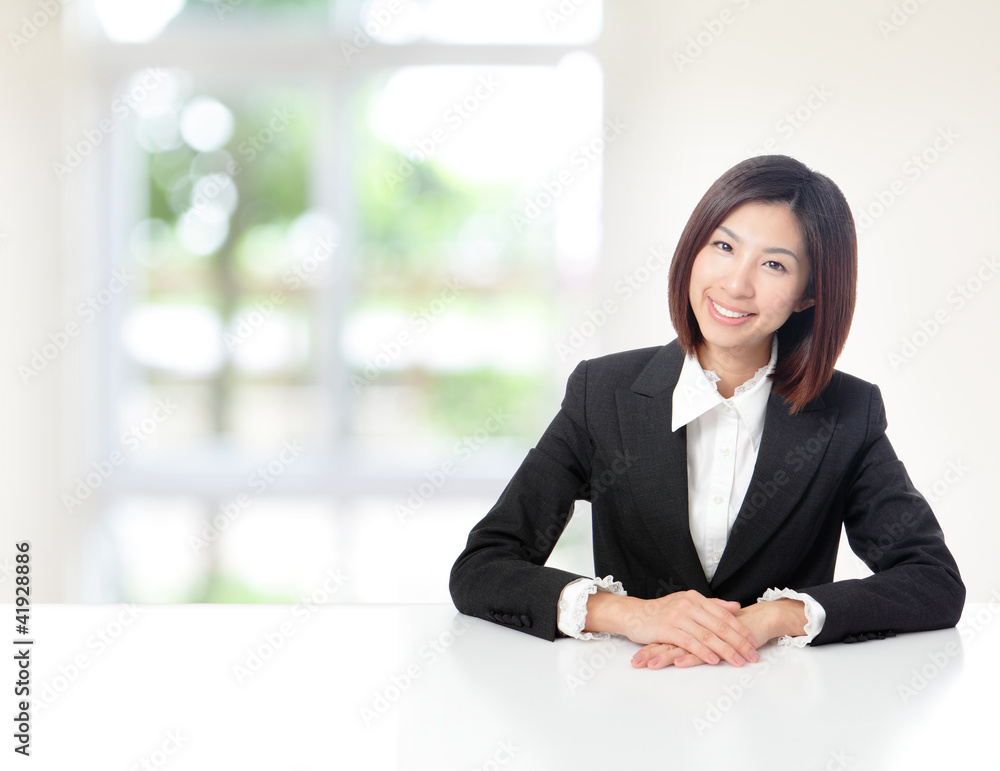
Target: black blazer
[{"x": 829, "y": 465}]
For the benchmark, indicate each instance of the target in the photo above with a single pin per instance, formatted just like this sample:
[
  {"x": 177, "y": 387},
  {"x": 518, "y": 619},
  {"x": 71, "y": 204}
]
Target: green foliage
[
  {"x": 232, "y": 589},
  {"x": 291, "y": 8},
  {"x": 460, "y": 403}
]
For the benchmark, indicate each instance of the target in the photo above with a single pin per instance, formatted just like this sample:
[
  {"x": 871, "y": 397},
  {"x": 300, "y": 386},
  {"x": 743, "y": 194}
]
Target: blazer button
[{"x": 526, "y": 620}]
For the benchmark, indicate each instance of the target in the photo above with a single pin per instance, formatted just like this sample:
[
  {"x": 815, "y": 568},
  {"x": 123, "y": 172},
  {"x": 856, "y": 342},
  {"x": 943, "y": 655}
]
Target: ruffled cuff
[
  {"x": 571, "y": 612},
  {"x": 815, "y": 616}
]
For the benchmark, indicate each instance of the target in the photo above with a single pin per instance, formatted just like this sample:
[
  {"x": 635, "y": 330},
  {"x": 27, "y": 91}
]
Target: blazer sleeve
[
  {"x": 501, "y": 574},
  {"x": 916, "y": 584}
]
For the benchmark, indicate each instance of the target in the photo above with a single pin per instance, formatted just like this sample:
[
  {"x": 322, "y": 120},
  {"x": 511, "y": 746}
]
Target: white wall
[
  {"x": 44, "y": 279},
  {"x": 885, "y": 96}
]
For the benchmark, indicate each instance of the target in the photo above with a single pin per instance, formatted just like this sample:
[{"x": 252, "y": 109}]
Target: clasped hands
[{"x": 685, "y": 629}]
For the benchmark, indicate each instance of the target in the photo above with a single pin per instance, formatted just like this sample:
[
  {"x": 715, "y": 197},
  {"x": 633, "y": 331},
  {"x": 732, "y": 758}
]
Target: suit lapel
[
  {"x": 791, "y": 449},
  {"x": 659, "y": 478}
]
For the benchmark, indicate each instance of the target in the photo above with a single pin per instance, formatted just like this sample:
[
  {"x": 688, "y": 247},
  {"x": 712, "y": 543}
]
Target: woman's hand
[
  {"x": 704, "y": 628},
  {"x": 764, "y": 620}
]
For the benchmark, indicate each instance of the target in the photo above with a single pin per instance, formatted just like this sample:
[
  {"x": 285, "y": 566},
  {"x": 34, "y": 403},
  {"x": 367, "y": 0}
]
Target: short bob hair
[{"x": 810, "y": 341}]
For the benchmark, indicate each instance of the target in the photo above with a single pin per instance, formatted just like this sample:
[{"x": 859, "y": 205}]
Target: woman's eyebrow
[{"x": 769, "y": 250}]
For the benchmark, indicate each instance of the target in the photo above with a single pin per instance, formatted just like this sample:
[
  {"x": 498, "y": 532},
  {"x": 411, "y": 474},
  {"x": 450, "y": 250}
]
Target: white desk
[{"x": 469, "y": 694}]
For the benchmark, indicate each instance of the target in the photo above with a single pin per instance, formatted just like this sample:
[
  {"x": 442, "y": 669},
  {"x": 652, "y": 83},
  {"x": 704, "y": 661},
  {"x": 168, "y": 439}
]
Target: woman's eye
[
  {"x": 723, "y": 246},
  {"x": 775, "y": 265}
]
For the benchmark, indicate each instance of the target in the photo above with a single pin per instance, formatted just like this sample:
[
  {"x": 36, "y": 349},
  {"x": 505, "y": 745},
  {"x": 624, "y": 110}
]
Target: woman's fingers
[
  {"x": 657, "y": 656},
  {"x": 710, "y": 632},
  {"x": 704, "y": 627},
  {"x": 724, "y": 612},
  {"x": 660, "y": 655}
]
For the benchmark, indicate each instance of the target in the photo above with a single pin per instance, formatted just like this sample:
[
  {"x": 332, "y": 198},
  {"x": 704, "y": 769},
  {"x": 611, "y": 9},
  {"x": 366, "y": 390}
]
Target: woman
[{"x": 721, "y": 467}]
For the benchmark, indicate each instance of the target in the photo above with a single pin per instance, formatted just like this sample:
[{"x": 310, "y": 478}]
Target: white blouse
[{"x": 723, "y": 438}]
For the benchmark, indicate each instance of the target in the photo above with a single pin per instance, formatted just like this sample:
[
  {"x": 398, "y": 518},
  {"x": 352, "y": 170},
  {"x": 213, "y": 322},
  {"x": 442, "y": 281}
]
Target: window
[{"x": 350, "y": 237}]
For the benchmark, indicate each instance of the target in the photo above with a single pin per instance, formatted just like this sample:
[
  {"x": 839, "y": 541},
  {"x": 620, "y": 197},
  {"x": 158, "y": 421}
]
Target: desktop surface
[{"x": 424, "y": 687}]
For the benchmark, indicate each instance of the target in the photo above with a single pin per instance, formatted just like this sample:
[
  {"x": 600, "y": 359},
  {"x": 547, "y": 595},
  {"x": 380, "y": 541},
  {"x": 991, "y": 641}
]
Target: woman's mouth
[
  {"x": 728, "y": 316},
  {"x": 726, "y": 313}
]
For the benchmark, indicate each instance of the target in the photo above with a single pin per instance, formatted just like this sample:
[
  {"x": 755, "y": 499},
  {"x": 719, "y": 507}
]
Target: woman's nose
[{"x": 739, "y": 278}]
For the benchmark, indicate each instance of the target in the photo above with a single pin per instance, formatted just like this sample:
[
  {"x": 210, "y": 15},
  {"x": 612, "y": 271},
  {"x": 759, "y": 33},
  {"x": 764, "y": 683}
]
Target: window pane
[
  {"x": 231, "y": 264},
  {"x": 469, "y": 180},
  {"x": 257, "y": 561},
  {"x": 127, "y": 21},
  {"x": 359, "y": 22},
  {"x": 153, "y": 558},
  {"x": 482, "y": 21},
  {"x": 175, "y": 549}
]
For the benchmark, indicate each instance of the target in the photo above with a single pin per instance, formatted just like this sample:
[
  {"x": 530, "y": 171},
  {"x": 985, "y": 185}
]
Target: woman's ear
[{"x": 805, "y": 302}]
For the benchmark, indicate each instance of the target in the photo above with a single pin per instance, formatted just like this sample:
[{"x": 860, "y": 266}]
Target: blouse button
[
  {"x": 717, "y": 500},
  {"x": 725, "y": 452}
]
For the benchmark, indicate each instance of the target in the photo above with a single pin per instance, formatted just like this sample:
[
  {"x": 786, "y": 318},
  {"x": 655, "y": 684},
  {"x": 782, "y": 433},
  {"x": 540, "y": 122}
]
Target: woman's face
[{"x": 747, "y": 281}]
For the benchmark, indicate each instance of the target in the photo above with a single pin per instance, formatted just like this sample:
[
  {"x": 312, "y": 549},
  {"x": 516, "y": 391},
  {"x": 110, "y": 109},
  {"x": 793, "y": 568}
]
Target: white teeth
[{"x": 728, "y": 313}]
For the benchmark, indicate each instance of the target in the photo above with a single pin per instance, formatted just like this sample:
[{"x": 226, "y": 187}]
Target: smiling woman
[
  {"x": 744, "y": 287},
  {"x": 705, "y": 505},
  {"x": 818, "y": 245}
]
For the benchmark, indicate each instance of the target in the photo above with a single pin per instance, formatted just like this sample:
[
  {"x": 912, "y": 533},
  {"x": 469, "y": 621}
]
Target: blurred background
[{"x": 291, "y": 286}]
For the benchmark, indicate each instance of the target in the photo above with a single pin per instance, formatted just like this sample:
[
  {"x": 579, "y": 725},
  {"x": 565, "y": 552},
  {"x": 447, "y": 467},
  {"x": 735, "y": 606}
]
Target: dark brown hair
[{"x": 810, "y": 341}]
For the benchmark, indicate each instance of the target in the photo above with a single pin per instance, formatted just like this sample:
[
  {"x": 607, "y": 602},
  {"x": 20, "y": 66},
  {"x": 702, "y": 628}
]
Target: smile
[{"x": 728, "y": 313}]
